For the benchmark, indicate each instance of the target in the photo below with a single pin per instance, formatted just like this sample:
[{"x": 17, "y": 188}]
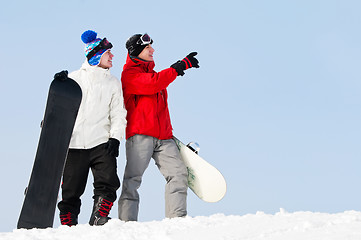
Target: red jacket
[{"x": 145, "y": 98}]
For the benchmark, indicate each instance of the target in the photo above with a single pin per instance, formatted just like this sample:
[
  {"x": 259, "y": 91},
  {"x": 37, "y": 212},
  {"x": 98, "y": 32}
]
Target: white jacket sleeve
[{"x": 117, "y": 113}]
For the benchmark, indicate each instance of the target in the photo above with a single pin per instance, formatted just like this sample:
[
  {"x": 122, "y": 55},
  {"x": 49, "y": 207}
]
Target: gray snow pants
[{"x": 139, "y": 150}]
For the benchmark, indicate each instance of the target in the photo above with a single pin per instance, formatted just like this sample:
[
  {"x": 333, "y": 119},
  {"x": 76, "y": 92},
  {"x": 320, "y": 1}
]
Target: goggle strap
[{"x": 98, "y": 48}]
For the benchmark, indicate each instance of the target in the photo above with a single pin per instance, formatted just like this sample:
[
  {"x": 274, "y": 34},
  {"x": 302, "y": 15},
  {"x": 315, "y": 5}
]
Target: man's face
[
  {"x": 106, "y": 60},
  {"x": 147, "y": 53}
]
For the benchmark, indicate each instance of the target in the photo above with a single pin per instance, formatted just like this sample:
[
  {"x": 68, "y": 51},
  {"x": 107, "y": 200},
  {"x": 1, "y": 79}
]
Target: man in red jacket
[{"x": 149, "y": 129}]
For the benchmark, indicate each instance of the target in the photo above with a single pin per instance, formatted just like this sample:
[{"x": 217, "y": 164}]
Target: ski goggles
[
  {"x": 144, "y": 39},
  {"x": 103, "y": 45}
]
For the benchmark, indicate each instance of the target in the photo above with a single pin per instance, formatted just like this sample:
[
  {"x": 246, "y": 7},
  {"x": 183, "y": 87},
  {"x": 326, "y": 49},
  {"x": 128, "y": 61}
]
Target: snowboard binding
[{"x": 194, "y": 147}]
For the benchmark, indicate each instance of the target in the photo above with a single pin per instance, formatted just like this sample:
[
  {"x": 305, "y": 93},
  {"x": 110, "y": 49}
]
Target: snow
[{"x": 258, "y": 226}]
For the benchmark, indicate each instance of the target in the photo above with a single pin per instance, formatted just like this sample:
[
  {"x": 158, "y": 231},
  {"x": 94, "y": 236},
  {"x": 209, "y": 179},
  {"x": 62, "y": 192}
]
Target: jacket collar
[
  {"x": 135, "y": 61},
  {"x": 89, "y": 68}
]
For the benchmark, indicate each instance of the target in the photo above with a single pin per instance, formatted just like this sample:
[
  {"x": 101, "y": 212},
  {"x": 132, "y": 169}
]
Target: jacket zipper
[{"x": 159, "y": 127}]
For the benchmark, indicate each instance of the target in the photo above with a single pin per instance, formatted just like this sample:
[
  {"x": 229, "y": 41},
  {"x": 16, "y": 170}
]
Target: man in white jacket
[{"x": 96, "y": 137}]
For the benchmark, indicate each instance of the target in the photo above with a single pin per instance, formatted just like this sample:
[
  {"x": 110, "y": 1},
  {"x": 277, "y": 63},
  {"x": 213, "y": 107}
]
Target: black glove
[
  {"x": 113, "y": 147},
  {"x": 61, "y": 76},
  {"x": 188, "y": 62}
]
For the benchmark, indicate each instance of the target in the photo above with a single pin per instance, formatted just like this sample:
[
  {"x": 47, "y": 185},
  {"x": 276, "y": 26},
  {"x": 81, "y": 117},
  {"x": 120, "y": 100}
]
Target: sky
[{"x": 275, "y": 104}]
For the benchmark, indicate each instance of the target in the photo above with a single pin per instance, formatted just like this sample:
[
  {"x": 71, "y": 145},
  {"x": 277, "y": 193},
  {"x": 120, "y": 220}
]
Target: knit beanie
[
  {"x": 135, "y": 46},
  {"x": 94, "y": 47}
]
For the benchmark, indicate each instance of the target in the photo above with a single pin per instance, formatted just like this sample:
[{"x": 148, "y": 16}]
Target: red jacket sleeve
[{"x": 141, "y": 83}]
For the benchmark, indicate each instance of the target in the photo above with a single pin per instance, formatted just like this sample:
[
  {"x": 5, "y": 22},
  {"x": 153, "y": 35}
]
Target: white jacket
[{"x": 101, "y": 114}]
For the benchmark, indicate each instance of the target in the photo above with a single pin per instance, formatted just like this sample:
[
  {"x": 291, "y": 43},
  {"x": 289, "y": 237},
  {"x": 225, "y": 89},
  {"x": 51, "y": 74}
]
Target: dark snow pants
[
  {"x": 78, "y": 163},
  {"x": 139, "y": 150}
]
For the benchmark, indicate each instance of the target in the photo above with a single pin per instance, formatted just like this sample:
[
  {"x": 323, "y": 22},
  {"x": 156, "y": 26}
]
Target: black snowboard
[{"x": 60, "y": 114}]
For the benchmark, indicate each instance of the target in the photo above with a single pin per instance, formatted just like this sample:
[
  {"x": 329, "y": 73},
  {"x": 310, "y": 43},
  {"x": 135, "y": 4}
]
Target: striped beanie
[{"x": 91, "y": 41}]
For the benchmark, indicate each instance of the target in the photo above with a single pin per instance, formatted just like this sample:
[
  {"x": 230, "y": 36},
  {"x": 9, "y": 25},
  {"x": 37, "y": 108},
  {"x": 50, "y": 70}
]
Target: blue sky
[{"x": 275, "y": 104}]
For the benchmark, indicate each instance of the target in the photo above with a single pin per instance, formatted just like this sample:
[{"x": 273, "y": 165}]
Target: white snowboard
[{"x": 204, "y": 179}]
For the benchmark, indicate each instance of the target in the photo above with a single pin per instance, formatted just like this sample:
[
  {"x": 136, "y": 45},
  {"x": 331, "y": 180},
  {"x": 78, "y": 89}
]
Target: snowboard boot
[
  {"x": 101, "y": 211},
  {"x": 69, "y": 219}
]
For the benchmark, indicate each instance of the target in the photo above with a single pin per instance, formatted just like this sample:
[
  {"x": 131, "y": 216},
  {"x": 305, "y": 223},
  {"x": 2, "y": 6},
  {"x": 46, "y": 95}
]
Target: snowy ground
[{"x": 259, "y": 226}]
